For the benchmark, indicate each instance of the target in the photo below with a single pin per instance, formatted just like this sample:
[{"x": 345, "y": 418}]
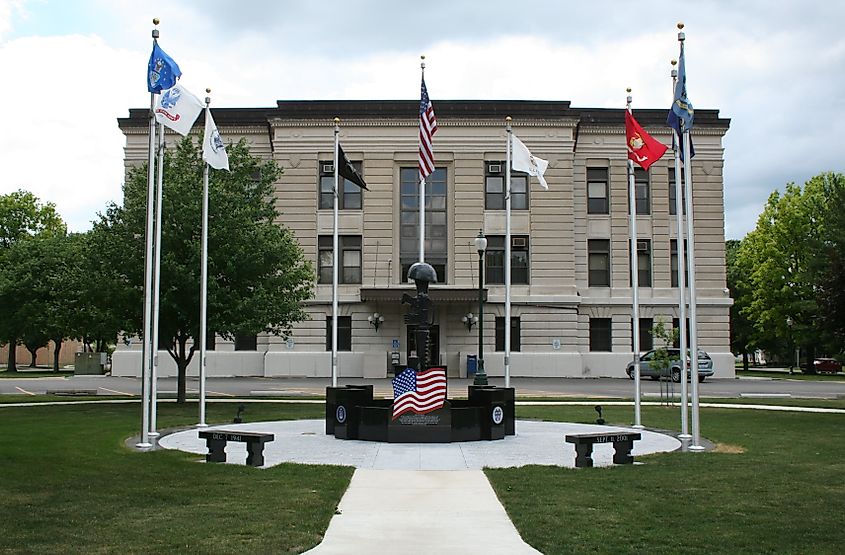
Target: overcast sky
[{"x": 776, "y": 68}]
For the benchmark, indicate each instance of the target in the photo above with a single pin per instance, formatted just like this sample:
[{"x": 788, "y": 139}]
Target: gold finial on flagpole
[
  {"x": 628, "y": 90},
  {"x": 680, "y": 25},
  {"x": 674, "y": 62},
  {"x": 156, "y": 21},
  {"x": 508, "y": 119},
  {"x": 422, "y": 63},
  {"x": 207, "y": 91}
]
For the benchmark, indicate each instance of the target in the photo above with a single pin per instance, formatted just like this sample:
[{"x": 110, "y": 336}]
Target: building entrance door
[{"x": 433, "y": 343}]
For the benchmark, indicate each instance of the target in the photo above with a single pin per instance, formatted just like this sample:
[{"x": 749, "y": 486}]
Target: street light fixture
[
  {"x": 790, "y": 323},
  {"x": 481, "y": 246},
  {"x": 375, "y": 320}
]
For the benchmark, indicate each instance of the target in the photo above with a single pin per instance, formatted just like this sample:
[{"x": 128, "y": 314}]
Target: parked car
[
  {"x": 827, "y": 365},
  {"x": 647, "y": 366}
]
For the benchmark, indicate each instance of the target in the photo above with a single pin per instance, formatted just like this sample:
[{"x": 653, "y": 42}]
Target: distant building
[{"x": 571, "y": 294}]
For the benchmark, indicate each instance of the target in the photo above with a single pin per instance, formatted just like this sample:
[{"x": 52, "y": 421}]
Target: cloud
[
  {"x": 770, "y": 67},
  {"x": 61, "y": 139}
]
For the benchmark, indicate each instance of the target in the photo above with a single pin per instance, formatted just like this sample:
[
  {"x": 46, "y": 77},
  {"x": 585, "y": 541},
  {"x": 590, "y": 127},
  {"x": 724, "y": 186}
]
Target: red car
[{"x": 827, "y": 365}]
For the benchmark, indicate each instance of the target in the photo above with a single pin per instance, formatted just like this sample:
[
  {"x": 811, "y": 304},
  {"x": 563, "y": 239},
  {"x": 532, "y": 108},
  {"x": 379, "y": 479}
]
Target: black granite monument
[{"x": 487, "y": 414}]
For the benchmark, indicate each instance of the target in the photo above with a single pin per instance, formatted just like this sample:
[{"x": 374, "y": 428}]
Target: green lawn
[
  {"x": 796, "y": 375},
  {"x": 775, "y": 485},
  {"x": 34, "y": 373},
  {"x": 68, "y": 485}
]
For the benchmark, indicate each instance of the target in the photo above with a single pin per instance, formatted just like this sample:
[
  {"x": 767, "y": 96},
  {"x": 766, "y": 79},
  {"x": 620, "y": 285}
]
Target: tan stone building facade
[{"x": 571, "y": 294}]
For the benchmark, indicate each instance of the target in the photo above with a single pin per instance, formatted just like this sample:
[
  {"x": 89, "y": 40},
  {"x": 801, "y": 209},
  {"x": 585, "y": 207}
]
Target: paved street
[{"x": 535, "y": 387}]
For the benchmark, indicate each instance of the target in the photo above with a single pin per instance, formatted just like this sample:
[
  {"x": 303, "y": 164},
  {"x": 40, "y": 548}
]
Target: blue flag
[
  {"x": 162, "y": 70},
  {"x": 681, "y": 114}
]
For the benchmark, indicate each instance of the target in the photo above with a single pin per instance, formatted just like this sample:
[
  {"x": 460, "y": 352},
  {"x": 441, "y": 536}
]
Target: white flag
[
  {"x": 178, "y": 109},
  {"x": 213, "y": 149},
  {"x": 522, "y": 160}
]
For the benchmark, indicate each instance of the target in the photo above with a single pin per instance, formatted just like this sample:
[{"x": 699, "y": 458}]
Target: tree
[
  {"x": 258, "y": 274},
  {"x": 788, "y": 263},
  {"x": 39, "y": 275},
  {"x": 22, "y": 216},
  {"x": 829, "y": 265},
  {"x": 742, "y": 330}
]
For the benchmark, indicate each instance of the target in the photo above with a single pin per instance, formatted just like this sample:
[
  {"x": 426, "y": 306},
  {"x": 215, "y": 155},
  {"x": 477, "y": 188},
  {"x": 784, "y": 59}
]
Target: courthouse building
[{"x": 571, "y": 289}]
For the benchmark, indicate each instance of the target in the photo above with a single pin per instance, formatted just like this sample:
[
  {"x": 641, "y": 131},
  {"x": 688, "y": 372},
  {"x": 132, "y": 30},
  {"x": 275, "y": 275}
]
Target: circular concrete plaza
[{"x": 305, "y": 441}]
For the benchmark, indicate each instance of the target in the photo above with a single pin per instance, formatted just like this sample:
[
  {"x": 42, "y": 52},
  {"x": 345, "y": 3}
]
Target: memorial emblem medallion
[
  {"x": 498, "y": 415},
  {"x": 340, "y": 414}
]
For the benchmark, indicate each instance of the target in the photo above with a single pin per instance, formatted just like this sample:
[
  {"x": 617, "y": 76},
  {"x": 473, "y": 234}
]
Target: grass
[
  {"x": 796, "y": 375},
  {"x": 70, "y": 486},
  {"x": 773, "y": 485},
  {"x": 38, "y": 373}
]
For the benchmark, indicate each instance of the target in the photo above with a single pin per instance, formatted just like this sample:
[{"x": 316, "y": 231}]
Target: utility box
[{"x": 90, "y": 363}]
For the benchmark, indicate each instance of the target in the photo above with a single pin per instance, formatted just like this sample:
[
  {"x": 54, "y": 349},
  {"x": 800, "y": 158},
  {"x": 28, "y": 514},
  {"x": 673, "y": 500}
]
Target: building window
[
  {"x": 643, "y": 263},
  {"x": 500, "y": 334},
  {"x": 598, "y": 197},
  {"x": 673, "y": 262},
  {"x": 642, "y": 192},
  {"x": 495, "y": 259},
  {"x": 349, "y": 258},
  {"x": 673, "y": 197},
  {"x": 344, "y": 333},
  {"x": 601, "y": 338},
  {"x": 349, "y": 195},
  {"x": 598, "y": 254},
  {"x": 436, "y": 228},
  {"x": 676, "y": 325},
  {"x": 246, "y": 342},
  {"x": 494, "y": 187},
  {"x": 646, "y": 337}
]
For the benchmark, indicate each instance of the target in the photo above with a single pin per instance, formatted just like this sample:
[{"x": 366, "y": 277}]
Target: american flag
[
  {"x": 418, "y": 392},
  {"x": 428, "y": 126}
]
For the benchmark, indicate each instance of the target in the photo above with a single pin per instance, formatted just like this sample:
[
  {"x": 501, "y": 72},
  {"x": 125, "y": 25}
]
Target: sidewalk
[{"x": 419, "y": 511}]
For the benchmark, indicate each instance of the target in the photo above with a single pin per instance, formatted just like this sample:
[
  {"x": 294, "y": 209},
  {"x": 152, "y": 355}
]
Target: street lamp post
[
  {"x": 791, "y": 325},
  {"x": 481, "y": 246}
]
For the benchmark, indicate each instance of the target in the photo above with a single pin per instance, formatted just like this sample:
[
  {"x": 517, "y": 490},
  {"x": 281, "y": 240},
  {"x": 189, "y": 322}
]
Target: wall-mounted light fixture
[
  {"x": 469, "y": 320},
  {"x": 375, "y": 320}
]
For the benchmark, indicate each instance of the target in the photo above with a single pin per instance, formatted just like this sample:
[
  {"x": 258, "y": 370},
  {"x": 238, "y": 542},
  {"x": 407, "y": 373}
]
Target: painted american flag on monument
[
  {"x": 418, "y": 392},
  {"x": 428, "y": 126}
]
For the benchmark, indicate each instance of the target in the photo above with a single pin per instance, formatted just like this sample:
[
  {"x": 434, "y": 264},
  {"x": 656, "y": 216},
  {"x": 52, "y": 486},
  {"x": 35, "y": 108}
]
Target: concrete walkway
[{"x": 417, "y": 511}]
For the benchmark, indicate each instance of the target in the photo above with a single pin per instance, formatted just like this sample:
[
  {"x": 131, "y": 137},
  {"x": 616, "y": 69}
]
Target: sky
[{"x": 776, "y": 68}]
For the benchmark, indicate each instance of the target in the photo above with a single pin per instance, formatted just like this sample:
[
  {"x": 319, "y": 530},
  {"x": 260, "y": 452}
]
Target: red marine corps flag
[{"x": 642, "y": 148}]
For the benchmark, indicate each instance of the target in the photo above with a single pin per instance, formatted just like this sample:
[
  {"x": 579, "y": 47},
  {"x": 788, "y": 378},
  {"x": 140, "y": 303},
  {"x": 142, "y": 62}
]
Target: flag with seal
[
  {"x": 213, "y": 149},
  {"x": 178, "y": 108},
  {"x": 162, "y": 70},
  {"x": 643, "y": 149}
]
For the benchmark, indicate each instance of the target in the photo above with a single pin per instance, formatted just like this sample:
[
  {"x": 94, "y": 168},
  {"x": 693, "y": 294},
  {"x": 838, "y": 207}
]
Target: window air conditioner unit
[
  {"x": 642, "y": 246},
  {"x": 494, "y": 168},
  {"x": 519, "y": 242},
  {"x": 328, "y": 168}
]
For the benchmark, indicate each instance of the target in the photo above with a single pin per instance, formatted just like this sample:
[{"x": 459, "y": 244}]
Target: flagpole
[
  {"x": 148, "y": 254},
  {"x": 681, "y": 271},
  {"x": 693, "y": 301},
  {"x": 156, "y": 286},
  {"x": 422, "y": 189},
  {"x": 334, "y": 253},
  {"x": 204, "y": 280},
  {"x": 635, "y": 286},
  {"x": 508, "y": 255}
]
